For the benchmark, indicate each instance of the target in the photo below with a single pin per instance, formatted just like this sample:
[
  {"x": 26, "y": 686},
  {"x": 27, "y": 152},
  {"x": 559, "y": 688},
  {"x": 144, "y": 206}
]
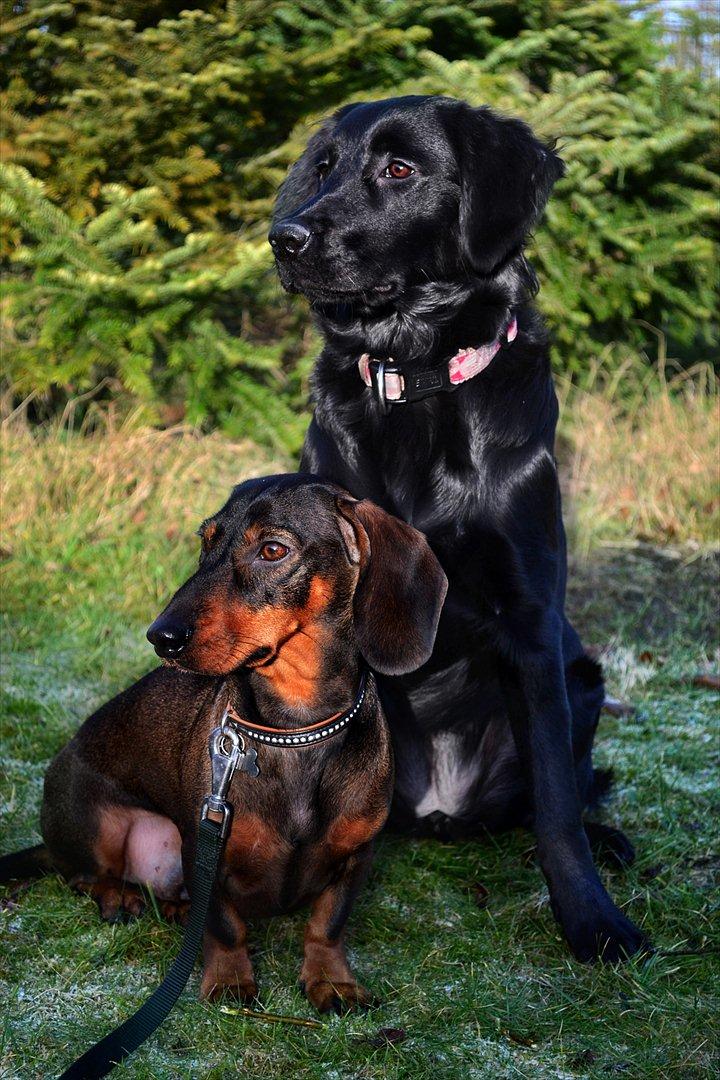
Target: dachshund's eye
[
  {"x": 273, "y": 551},
  {"x": 398, "y": 170}
]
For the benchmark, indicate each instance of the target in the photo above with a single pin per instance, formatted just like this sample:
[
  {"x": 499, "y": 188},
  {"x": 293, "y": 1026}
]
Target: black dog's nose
[
  {"x": 439, "y": 824},
  {"x": 288, "y": 239},
  {"x": 169, "y": 638}
]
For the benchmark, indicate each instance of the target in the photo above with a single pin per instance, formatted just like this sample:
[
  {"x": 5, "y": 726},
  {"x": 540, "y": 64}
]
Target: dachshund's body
[
  {"x": 122, "y": 801},
  {"x": 134, "y": 815},
  {"x": 404, "y": 224},
  {"x": 275, "y": 623}
]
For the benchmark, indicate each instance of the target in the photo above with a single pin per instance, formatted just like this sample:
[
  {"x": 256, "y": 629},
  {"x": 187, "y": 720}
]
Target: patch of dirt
[{"x": 653, "y": 594}]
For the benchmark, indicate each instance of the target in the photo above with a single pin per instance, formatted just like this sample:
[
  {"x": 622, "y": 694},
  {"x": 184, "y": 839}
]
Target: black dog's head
[{"x": 394, "y": 193}]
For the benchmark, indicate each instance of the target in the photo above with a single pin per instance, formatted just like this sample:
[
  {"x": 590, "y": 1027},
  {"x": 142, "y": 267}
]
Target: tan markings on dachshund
[
  {"x": 255, "y": 856},
  {"x": 295, "y": 673},
  {"x": 325, "y": 976},
  {"x": 227, "y": 634},
  {"x": 207, "y": 534},
  {"x": 253, "y": 533},
  {"x": 347, "y": 834},
  {"x": 253, "y": 842},
  {"x": 227, "y": 969}
]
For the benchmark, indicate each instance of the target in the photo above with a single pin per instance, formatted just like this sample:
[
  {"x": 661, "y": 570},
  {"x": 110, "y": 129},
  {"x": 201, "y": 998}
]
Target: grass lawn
[{"x": 477, "y": 979}]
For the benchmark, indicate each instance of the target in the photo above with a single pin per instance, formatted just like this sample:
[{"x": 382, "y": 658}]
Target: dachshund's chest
[
  {"x": 289, "y": 842},
  {"x": 270, "y": 870}
]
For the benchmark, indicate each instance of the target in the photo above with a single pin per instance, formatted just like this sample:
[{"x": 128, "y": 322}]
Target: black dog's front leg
[{"x": 535, "y": 693}]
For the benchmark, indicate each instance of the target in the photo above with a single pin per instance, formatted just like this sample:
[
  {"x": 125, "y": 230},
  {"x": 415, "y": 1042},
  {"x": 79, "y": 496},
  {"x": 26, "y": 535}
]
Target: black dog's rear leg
[
  {"x": 609, "y": 846},
  {"x": 585, "y": 690},
  {"x": 539, "y": 713}
]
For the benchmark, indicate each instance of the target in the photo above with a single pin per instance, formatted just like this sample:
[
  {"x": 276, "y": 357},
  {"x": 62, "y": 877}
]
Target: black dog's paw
[
  {"x": 604, "y": 933},
  {"x": 609, "y": 846}
]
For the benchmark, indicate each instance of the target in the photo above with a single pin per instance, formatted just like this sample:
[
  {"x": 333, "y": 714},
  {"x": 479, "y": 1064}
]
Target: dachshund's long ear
[
  {"x": 301, "y": 183},
  {"x": 400, "y": 591},
  {"x": 506, "y": 176}
]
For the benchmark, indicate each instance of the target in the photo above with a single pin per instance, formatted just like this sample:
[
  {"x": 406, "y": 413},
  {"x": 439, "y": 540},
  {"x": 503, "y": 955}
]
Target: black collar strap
[
  {"x": 392, "y": 386},
  {"x": 303, "y": 736}
]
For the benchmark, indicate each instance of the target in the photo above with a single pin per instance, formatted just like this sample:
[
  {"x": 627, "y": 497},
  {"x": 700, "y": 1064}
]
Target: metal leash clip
[{"x": 227, "y": 754}]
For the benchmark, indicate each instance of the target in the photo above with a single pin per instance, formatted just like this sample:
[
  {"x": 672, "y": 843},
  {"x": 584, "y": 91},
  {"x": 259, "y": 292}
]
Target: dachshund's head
[
  {"x": 290, "y": 563},
  {"x": 395, "y": 193}
]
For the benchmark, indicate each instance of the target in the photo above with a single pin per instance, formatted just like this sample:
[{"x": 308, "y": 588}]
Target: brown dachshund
[{"x": 299, "y": 587}]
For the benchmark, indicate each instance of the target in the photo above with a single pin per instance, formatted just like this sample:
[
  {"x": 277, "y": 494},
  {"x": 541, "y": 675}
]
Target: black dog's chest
[{"x": 426, "y": 472}]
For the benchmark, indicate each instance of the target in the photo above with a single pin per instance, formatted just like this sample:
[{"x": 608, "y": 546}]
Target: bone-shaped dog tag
[{"x": 247, "y": 763}]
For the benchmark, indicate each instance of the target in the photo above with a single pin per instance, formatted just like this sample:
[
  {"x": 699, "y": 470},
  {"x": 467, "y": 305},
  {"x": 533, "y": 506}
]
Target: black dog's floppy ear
[
  {"x": 506, "y": 176},
  {"x": 301, "y": 183},
  {"x": 400, "y": 591}
]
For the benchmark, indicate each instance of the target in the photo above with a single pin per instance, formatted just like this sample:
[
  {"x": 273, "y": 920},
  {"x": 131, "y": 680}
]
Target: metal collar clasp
[{"x": 226, "y": 748}]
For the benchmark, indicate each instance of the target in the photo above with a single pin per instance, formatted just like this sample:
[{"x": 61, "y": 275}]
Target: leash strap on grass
[{"x": 115, "y": 1047}]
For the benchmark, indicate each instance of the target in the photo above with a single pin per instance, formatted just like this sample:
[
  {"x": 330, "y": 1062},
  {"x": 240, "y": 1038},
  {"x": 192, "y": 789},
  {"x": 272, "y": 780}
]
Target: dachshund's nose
[
  {"x": 169, "y": 638},
  {"x": 289, "y": 239}
]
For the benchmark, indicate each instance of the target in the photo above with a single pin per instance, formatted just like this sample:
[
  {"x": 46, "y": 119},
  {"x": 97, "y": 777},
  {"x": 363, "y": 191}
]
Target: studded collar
[{"x": 297, "y": 738}]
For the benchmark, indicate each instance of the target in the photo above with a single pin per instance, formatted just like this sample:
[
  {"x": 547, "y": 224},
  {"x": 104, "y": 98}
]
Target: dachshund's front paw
[
  {"x": 228, "y": 970},
  {"x": 338, "y": 997},
  {"x": 245, "y": 991},
  {"x": 175, "y": 911}
]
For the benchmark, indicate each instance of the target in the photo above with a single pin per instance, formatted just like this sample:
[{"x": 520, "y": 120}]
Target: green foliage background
[{"x": 143, "y": 144}]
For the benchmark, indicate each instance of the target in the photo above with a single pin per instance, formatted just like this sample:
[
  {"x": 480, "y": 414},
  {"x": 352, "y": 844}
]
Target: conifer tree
[{"x": 143, "y": 144}]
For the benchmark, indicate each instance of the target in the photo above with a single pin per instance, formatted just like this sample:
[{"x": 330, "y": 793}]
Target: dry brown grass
[
  {"x": 643, "y": 456},
  {"x": 118, "y": 505},
  {"x": 170, "y": 477}
]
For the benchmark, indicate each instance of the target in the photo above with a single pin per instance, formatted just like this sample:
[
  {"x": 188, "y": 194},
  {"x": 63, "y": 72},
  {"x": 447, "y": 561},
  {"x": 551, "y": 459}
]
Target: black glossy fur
[{"x": 497, "y": 728}]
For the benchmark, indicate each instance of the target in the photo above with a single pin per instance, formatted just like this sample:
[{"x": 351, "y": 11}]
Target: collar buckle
[
  {"x": 376, "y": 369},
  {"x": 422, "y": 384},
  {"x": 415, "y": 385}
]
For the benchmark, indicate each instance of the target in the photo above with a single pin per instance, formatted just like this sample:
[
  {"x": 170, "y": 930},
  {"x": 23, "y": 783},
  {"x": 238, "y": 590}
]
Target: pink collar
[{"x": 392, "y": 385}]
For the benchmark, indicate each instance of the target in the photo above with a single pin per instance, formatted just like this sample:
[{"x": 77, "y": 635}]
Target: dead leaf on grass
[
  {"x": 384, "y": 1037},
  {"x": 708, "y": 680},
  {"x": 522, "y": 1040},
  {"x": 480, "y": 894},
  {"x": 583, "y": 1059},
  {"x": 616, "y": 707}
]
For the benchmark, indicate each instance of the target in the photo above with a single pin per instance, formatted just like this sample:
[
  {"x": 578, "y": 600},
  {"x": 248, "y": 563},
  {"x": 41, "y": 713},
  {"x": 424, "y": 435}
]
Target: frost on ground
[
  {"x": 624, "y": 669},
  {"x": 484, "y": 992}
]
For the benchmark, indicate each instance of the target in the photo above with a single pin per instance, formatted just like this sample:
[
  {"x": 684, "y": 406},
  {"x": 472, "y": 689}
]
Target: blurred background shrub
[{"x": 143, "y": 145}]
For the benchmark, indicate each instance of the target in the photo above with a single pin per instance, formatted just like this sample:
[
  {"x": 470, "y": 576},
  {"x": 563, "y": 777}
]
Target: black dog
[{"x": 404, "y": 224}]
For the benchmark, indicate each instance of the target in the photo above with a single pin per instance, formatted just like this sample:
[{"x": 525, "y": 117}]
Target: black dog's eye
[
  {"x": 398, "y": 170},
  {"x": 322, "y": 169},
  {"x": 273, "y": 551}
]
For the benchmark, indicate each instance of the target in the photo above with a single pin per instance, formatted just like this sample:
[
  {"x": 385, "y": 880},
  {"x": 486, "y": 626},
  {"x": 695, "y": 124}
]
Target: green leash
[{"x": 226, "y": 755}]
